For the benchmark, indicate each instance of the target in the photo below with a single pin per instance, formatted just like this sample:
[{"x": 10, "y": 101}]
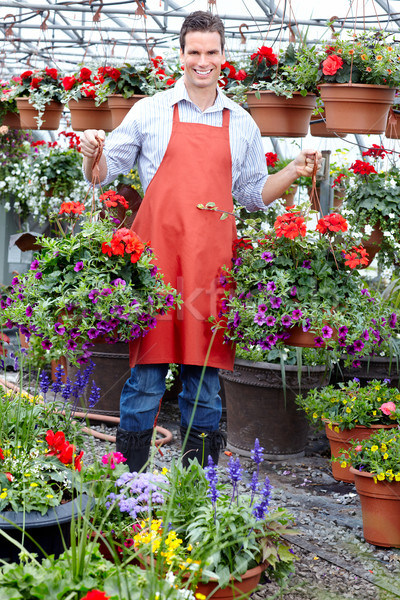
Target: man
[{"x": 193, "y": 145}]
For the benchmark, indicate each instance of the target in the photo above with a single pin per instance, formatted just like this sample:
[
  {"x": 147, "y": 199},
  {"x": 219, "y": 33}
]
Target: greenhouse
[{"x": 199, "y": 278}]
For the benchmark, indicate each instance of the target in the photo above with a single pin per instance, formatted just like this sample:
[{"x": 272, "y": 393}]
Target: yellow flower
[
  {"x": 200, "y": 596},
  {"x": 377, "y": 387},
  {"x": 27, "y": 474},
  {"x": 164, "y": 471},
  {"x": 3, "y": 495},
  {"x": 343, "y": 464},
  {"x": 34, "y": 484},
  {"x": 381, "y": 476},
  {"x": 385, "y": 456},
  {"x": 397, "y": 477},
  {"x": 374, "y": 413},
  {"x": 315, "y": 416},
  {"x": 49, "y": 496},
  {"x": 344, "y": 401},
  {"x": 383, "y": 447},
  {"x": 374, "y": 448},
  {"x": 336, "y": 429},
  {"x": 348, "y": 409}
]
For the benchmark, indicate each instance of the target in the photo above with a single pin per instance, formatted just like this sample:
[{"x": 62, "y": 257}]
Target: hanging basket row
[{"x": 84, "y": 114}]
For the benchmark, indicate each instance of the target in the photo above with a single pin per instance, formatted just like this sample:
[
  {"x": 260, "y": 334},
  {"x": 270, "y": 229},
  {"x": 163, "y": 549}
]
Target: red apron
[{"x": 190, "y": 245}]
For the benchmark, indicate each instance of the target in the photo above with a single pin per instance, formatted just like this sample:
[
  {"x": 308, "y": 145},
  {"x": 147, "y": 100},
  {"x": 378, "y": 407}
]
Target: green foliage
[
  {"x": 348, "y": 404},
  {"x": 379, "y": 455}
]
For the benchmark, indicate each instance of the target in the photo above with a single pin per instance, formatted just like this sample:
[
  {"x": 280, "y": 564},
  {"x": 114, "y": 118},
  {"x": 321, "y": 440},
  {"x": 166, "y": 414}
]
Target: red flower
[
  {"x": 9, "y": 477},
  {"x": 26, "y": 74},
  {"x": 241, "y": 243},
  {"x": 55, "y": 441},
  {"x": 115, "y": 74},
  {"x": 66, "y": 454},
  {"x": 332, "y": 64},
  {"x": 332, "y": 222},
  {"x": 1, "y": 454},
  {"x": 231, "y": 69},
  {"x": 290, "y": 225},
  {"x": 106, "y": 249},
  {"x": 88, "y": 90},
  {"x": 338, "y": 179},
  {"x": 265, "y": 53},
  {"x": 377, "y": 151},
  {"x": 75, "y": 208},
  {"x": 357, "y": 257},
  {"x": 362, "y": 168},
  {"x": 77, "y": 462},
  {"x": 68, "y": 82},
  {"x": 53, "y": 73},
  {"x": 170, "y": 81},
  {"x": 85, "y": 74},
  {"x": 111, "y": 199},
  {"x": 271, "y": 159},
  {"x": 157, "y": 61},
  {"x": 96, "y": 595},
  {"x": 240, "y": 75},
  {"x": 35, "y": 82}
]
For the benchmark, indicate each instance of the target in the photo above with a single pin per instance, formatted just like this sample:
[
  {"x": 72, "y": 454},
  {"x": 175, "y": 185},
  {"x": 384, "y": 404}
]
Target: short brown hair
[{"x": 202, "y": 21}]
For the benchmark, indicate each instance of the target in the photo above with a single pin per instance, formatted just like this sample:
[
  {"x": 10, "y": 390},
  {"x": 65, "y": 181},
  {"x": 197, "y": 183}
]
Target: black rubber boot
[
  {"x": 201, "y": 445},
  {"x": 135, "y": 446}
]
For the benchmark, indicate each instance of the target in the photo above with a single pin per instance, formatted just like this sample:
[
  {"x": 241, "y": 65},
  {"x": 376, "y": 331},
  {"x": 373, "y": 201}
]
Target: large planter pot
[
  {"x": 86, "y": 115},
  {"x": 49, "y": 530},
  {"x": 375, "y": 367},
  {"x": 120, "y": 106},
  {"x": 257, "y": 406},
  {"x": 279, "y": 116},
  {"x": 356, "y": 107},
  {"x": 110, "y": 374},
  {"x": 28, "y": 115},
  {"x": 12, "y": 120},
  {"x": 236, "y": 589},
  {"x": 341, "y": 440},
  {"x": 380, "y": 506}
]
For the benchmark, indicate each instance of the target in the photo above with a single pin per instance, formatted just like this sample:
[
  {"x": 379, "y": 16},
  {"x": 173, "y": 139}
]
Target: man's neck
[{"x": 203, "y": 98}]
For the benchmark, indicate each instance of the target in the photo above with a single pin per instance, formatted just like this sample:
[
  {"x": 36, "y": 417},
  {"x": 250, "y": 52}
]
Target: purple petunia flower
[
  {"x": 343, "y": 330},
  {"x": 46, "y": 344},
  {"x": 236, "y": 320},
  {"x": 262, "y": 307},
  {"x": 153, "y": 271},
  {"x": 393, "y": 320},
  {"x": 28, "y": 311},
  {"x": 319, "y": 341},
  {"x": 356, "y": 364},
  {"x": 93, "y": 296},
  {"x": 34, "y": 265},
  {"x": 286, "y": 320},
  {"x": 78, "y": 267},
  {"x": 271, "y": 286},
  {"x": 270, "y": 320},
  {"x": 38, "y": 275},
  {"x": 268, "y": 256},
  {"x": 59, "y": 328},
  {"x": 71, "y": 345},
  {"x": 358, "y": 345},
  {"x": 327, "y": 332},
  {"x": 296, "y": 314},
  {"x": 307, "y": 326},
  {"x": 106, "y": 292},
  {"x": 118, "y": 281},
  {"x": 275, "y": 301},
  {"x": 169, "y": 300},
  {"x": 306, "y": 264},
  {"x": 293, "y": 291},
  {"x": 260, "y": 319}
]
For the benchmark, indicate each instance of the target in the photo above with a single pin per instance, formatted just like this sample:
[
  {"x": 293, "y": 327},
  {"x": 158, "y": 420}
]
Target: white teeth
[{"x": 203, "y": 72}]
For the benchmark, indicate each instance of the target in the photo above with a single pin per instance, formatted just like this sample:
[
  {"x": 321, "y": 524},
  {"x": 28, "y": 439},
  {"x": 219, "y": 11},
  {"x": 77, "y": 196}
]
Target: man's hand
[
  {"x": 89, "y": 143},
  {"x": 305, "y": 161}
]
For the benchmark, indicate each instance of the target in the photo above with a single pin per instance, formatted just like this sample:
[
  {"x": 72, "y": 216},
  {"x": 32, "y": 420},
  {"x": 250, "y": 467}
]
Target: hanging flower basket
[
  {"x": 356, "y": 107},
  {"x": 86, "y": 115},
  {"x": 29, "y": 115},
  {"x": 280, "y": 116},
  {"x": 12, "y": 120},
  {"x": 120, "y": 106},
  {"x": 318, "y": 127}
]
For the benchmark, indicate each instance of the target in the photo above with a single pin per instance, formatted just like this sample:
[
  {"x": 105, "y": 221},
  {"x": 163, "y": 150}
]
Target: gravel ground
[{"x": 334, "y": 562}]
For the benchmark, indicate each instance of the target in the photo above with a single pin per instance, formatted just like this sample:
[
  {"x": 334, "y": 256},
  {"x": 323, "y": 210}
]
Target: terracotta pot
[
  {"x": 393, "y": 125},
  {"x": 338, "y": 197},
  {"x": 380, "y": 506},
  {"x": 86, "y": 115},
  {"x": 341, "y": 440},
  {"x": 235, "y": 589},
  {"x": 318, "y": 127},
  {"x": 12, "y": 120},
  {"x": 51, "y": 116},
  {"x": 258, "y": 406},
  {"x": 373, "y": 244},
  {"x": 356, "y": 107},
  {"x": 120, "y": 106},
  {"x": 305, "y": 339},
  {"x": 279, "y": 116}
]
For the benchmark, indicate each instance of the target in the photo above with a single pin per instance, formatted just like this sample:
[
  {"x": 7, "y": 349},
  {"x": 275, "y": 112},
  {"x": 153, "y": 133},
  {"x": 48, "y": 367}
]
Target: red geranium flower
[
  {"x": 332, "y": 222},
  {"x": 290, "y": 225},
  {"x": 85, "y": 74},
  {"x": 35, "y": 82},
  {"x": 1, "y": 454},
  {"x": 96, "y": 595},
  {"x": 271, "y": 159},
  {"x": 53, "y": 73},
  {"x": 241, "y": 243},
  {"x": 265, "y": 53},
  {"x": 332, "y": 64},
  {"x": 377, "y": 151},
  {"x": 338, "y": 179},
  {"x": 362, "y": 168},
  {"x": 359, "y": 256},
  {"x": 68, "y": 82},
  {"x": 232, "y": 70},
  {"x": 75, "y": 208},
  {"x": 240, "y": 75},
  {"x": 26, "y": 74}
]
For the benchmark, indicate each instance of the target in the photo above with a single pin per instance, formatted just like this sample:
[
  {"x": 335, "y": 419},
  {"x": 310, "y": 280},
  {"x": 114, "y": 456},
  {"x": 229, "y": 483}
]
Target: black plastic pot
[
  {"x": 375, "y": 367},
  {"x": 257, "y": 407},
  {"x": 50, "y": 531}
]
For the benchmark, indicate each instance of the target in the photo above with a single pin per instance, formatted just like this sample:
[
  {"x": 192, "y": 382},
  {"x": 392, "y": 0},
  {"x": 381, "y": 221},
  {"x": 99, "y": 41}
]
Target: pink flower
[
  {"x": 358, "y": 448},
  {"x": 388, "y": 408},
  {"x": 112, "y": 459}
]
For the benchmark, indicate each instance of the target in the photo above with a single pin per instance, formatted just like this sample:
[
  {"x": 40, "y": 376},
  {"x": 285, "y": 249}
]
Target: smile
[{"x": 202, "y": 72}]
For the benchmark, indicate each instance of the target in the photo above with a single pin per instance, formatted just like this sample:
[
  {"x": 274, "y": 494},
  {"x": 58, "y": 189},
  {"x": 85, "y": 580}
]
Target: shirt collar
[{"x": 179, "y": 92}]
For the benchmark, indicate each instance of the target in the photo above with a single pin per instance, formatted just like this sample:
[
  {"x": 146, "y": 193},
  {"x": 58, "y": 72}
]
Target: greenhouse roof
[{"x": 66, "y": 34}]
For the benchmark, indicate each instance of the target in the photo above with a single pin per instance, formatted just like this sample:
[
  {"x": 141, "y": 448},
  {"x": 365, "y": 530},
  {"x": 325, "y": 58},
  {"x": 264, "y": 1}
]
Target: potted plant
[
  {"x": 351, "y": 412},
  {"x": 208, "y": 522},
  {"x": 280, "y": 90},
  {"x": 371, "y": 204},
  {"x": 9, "y": 115},
  {"x": 376, "y": 469},
  {"x": 98, "y": 283},
  {"x": 122, "y": 86},
  {"x": 357, "y": 80},
  {"x": 88, "y": 109},
  {"x": 38, "y": 95},
  {"x": 42, "y": 175},
  {"x": 39, "y": 472}
]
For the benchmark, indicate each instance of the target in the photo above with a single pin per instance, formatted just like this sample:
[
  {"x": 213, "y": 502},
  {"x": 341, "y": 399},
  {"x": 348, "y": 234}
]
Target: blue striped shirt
[{"x": 144, "y": 134}]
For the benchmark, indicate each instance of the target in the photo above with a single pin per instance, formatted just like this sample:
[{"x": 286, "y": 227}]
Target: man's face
[{"x": 202, "y": 59}]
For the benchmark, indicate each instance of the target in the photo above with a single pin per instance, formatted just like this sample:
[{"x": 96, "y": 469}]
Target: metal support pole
[{"x": 325, "y": 190}]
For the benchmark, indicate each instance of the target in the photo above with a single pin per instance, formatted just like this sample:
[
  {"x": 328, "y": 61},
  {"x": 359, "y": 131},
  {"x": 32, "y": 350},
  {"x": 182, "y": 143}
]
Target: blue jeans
[{"x": 141, "y": 395}]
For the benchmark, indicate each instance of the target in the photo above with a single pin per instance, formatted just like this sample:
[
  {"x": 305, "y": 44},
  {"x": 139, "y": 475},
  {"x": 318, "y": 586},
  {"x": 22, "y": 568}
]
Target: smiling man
[{"x": 192, "y": 145}]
